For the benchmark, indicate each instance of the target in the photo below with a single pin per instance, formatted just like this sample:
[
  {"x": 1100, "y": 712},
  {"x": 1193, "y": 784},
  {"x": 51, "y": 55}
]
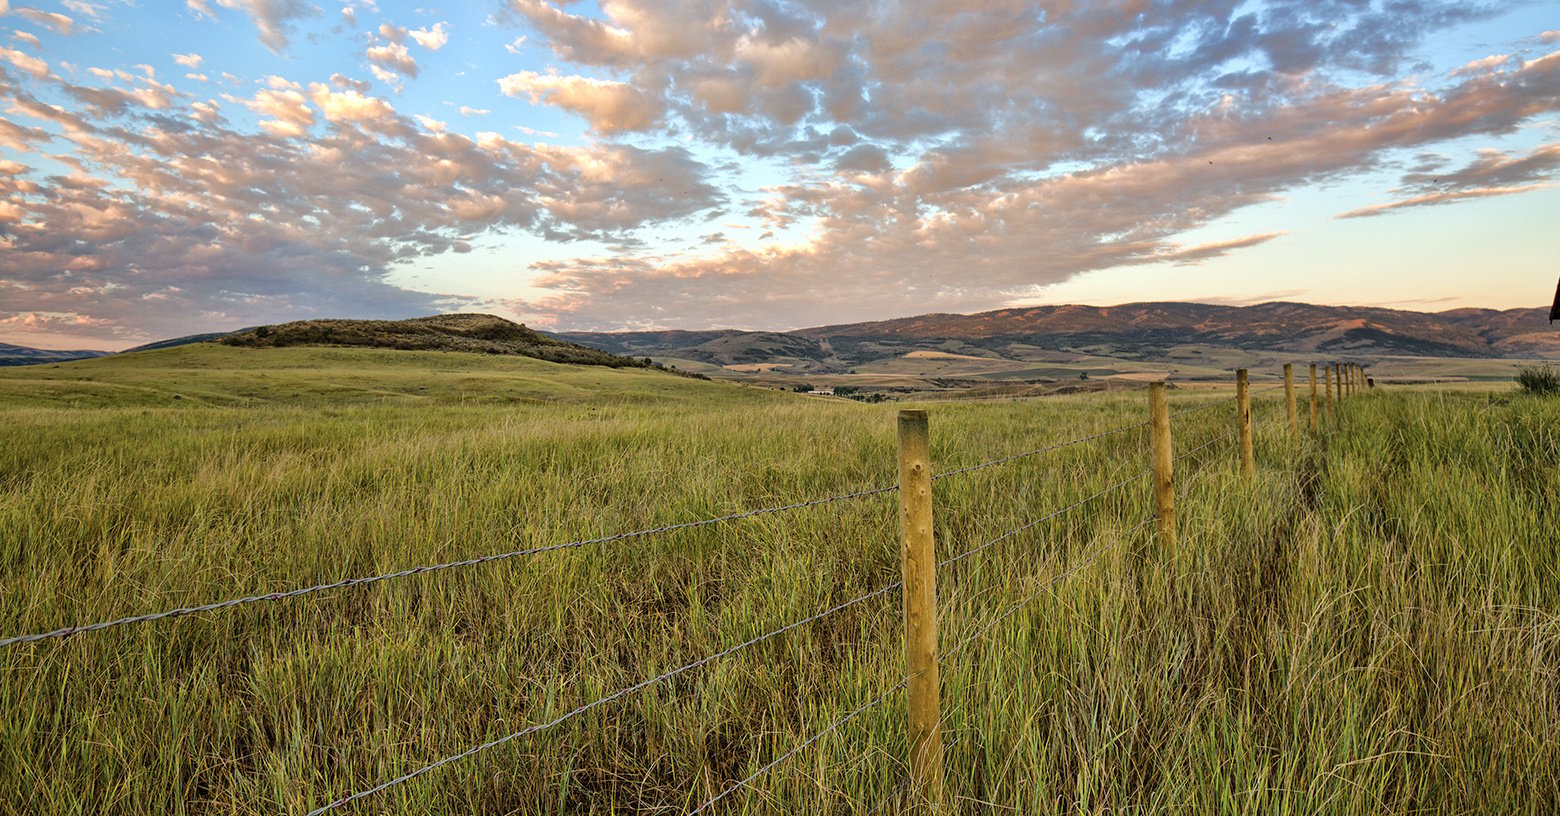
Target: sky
[{"x": 168, "y": 168}]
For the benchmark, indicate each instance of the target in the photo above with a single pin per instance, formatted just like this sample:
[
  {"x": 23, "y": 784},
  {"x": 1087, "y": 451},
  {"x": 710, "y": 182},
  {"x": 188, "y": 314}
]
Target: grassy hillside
[
  {"x": 207, "y": 374},
  {"x": 1369, "y": 626},
  {"x": 479, "y": 333}
]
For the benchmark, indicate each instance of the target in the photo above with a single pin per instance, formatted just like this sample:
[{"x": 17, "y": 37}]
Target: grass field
[{"x": 1371, "y": 625}]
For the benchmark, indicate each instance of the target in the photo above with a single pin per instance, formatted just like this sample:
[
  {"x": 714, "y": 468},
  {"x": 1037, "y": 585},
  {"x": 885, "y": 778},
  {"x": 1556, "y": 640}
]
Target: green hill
[
  {"x": 479, "y": 333},
  {"x": 219, "y": 374}
]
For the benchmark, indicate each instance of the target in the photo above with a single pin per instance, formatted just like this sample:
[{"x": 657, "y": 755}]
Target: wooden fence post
[
  {"x": 1313, "y": 398},
  {"x": 918, "y": 561},
  {"x": 1289, "y": 396},
  {"x": 1248, "y": 465},
  {"x": 1164, "y": 478},
  {"x": 1327, "y": 376}
]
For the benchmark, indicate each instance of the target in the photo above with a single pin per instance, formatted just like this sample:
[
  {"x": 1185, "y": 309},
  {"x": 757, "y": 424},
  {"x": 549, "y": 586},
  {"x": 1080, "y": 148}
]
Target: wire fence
[
  {"x": 345, "y": 583},
  {"x": 1041, "y": 587}
]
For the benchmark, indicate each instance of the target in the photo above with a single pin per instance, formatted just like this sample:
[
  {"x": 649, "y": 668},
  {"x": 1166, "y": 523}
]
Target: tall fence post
[
  {"x": 1313, "y": 398},
  {"x": 1164, "y": 478},
  {"x": 1289, "y": 396},
  {"x": 1327, "y": 376},
  {"x": 1248, "y": 465},
  {"x": 918, "y": 561}
]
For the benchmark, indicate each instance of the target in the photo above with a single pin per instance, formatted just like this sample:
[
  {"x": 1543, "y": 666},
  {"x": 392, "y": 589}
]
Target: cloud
[
  {"x": 172, "y": 224},
  {"x": 347, "y": 83},
  {"x": 1428, "y": 199},
  {"x": 1492, "y": 173},
  {"x": 27, "y": 37},
  {"x": 273, "y": 18},
  {"x": 394, "y": 57},
  {"x": 609, "y": 106},
  {"x": 288, "y": 111},
  {"x": 52, "y": 19},
  {"x": 26, "y": 62},
  {"x": 960, "y": 157},
  {"x": 191, "y": 61},
  {"x": 431, "y": 38},
  {"x": 1213, "y": 249},
  {"x": 579, "y": 39}
]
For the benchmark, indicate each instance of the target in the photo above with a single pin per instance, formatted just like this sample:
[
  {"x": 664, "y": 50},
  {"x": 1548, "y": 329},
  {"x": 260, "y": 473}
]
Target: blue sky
[{"x": 170, "y": 168}]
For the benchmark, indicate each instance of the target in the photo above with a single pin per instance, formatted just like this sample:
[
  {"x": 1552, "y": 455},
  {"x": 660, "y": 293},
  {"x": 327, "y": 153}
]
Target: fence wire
[
  {"x": 470, "y": 562},
  {"x": 345, "y": 583},
  {"x": 809, "y": 741},
  {"x": 600, "y": 701}
]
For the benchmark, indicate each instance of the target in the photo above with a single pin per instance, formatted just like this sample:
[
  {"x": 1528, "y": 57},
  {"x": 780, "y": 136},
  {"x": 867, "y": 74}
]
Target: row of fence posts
[{"x": 918, "y": 553}]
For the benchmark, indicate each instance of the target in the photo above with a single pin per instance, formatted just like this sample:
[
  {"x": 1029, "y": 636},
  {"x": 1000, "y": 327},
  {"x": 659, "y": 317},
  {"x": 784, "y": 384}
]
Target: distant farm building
[{"x": 822, "y": 392}]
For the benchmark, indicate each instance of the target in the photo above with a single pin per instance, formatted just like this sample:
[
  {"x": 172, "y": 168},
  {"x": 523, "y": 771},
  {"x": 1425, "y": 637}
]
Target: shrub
[{"x": 1539, "y": 379}]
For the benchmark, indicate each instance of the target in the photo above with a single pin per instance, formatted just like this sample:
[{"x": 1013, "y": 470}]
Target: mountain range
[
  {"x": 1131, "y": 331},
  {"x": 1136, "y": 331}
]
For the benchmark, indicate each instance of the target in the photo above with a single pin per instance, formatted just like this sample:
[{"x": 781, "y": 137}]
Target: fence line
[
  {"x": 1045, "y": 586},
  {"x": 705, "y": 660},
  {"x": 67, "y": 631},
  {"x": 643, "y": 684}
]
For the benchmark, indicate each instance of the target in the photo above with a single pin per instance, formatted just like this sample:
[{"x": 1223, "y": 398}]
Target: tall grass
[
  {"x": 1541, "y": 379},
  {"x": 1369, "y": 626}
]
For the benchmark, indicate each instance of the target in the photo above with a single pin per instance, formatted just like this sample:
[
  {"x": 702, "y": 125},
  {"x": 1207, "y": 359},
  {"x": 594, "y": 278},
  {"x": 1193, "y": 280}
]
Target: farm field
[{"x": 1369, "y": 625}]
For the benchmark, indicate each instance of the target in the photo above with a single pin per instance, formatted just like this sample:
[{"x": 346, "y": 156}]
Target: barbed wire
[
  {"x": 797, "y": 749},
  {"x": 600, "y": 701}
]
